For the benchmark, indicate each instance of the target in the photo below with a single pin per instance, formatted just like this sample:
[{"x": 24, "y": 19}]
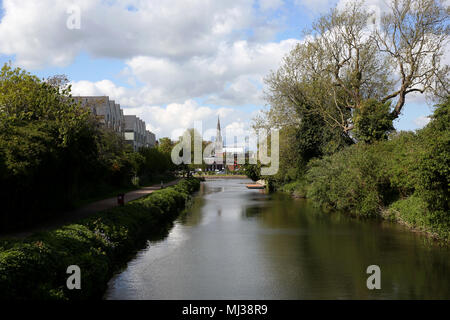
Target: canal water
[{"x": 235, "y": 243}]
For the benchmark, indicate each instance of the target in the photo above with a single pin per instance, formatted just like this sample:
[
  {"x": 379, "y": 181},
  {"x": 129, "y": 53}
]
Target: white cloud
[
  {"x": 244, "y": 90},
  {"x": 421, "y": 121},
  {"x": 226, "y": 75},
  {"x": 173, "y": 50},
  {"x": 36, "y": 32},
  {"x": 179, "y": 51},
  {"x": 172, "y": 120},
  {"x": 270, "y": 4},
  {"x": 233, "y": 76}
]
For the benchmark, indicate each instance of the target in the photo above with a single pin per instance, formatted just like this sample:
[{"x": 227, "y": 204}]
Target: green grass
[{"x": 413, "y": 212}]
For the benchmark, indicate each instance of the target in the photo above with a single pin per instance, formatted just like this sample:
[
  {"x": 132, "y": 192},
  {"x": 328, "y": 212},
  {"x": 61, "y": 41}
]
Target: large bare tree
[
  {"x": 343, "y": 61},
  {"x": 415, "y": 35}
]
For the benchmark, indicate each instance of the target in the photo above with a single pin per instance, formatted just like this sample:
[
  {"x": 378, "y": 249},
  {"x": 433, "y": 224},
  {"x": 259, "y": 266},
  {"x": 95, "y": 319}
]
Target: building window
[{"x": 129, "y": 136}]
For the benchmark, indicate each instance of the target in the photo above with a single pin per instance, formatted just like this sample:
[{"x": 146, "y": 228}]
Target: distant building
[
  {"x": 142, "y": 133},
  {"x": 218, "y": 160},
  {"x": 111, "y": 116},
  {"x": 131, "y": 132},
  {"x": 99, "y": 106},
  {"x": 150, "y": 139},
  {"x": 122, "y": 121}
]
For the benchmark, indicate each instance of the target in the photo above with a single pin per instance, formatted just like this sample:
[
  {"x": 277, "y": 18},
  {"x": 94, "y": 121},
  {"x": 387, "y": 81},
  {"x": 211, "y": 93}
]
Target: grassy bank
[
  {"x": 35, "y": 268},
  {"x": 404, "y": 179}
]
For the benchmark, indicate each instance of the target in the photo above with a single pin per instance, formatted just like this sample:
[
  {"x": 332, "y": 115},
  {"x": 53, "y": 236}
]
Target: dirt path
[{"x": 82, "y": 212}]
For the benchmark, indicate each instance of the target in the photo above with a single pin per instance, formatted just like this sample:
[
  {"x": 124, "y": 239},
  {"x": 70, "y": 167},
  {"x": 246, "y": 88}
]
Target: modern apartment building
[
  {"x": 120, "y": 119},
  {"x": 150, "y": 139},
  {"x": 99, "y": 106},
  {"x": 141, "y": 132},
  {"x": 134, "y": 132},
  {"x": 111, "y": 116}
]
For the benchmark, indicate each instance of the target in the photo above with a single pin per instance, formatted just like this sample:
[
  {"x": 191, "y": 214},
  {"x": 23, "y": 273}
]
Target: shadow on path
[{"x": 85, "y": 211}]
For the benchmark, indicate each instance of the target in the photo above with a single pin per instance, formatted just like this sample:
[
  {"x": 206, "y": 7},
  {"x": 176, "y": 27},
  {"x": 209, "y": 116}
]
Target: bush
[
  {"x": 348, "y": 180},
  {"x": 252, "y": 171},
  {"x": 433, "y": 162},
  {"x": 297, "y": 188},
  {"x": 373, "y": 121},
  {"x": 54, "y": 153},
  {"x": 409, "y": 174},
  {"x": 35, "y": 268},
  {"x": 414, "y": 212}
]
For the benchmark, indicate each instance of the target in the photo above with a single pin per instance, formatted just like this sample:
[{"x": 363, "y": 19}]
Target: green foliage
[
  {"x": 166, "y": 145},
  {"x": 433, "y": 162},
  {"x": 414, "y": 212},
  {"x": 54, "y": 154},
  {"x": 252, "y": 171},
  {"x": 409, "y": 174},
  {"x": 35, "y": 268},
  {"x": 322, "y": 99},
  {"x": 347, "y": 180},
  {"x": 156, "y": 161},
  {"x": 373, "y": 121},
  {"x": 311, "y": 139},
  {"x": 298, "y": 188},
  {"x": 42, "y": 134}
]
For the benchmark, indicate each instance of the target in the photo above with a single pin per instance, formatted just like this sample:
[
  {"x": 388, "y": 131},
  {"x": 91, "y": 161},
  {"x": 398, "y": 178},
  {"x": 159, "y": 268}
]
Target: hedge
[
  {"x": 405, "y": 178},
  {"x": 35, "y": 268}
]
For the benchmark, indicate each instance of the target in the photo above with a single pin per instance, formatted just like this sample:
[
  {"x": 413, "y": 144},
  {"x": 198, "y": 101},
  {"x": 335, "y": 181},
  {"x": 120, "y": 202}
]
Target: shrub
[
  {"x": 373, "y": 121},
  {"x": 433, "y": 162},
  {"x": 297, "y": 188},
  {"x": 43, "y": 132},
  {"x": 347, "y": 180},
  {"x": 414, "y": 211},
  {"x": 409, "y": 174},
  {"x": 35, "y": 268}
]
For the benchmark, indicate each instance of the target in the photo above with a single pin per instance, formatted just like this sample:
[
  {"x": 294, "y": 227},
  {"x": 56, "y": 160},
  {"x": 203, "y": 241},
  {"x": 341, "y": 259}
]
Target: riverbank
[
  {"x": 35, "y": 267},
  {"x": 386, "y": 213},
  {"x": 410, "y": 212},
  {"x": 404, "y": 178},
  {"x": 85, "y": 211},
  {"x": 243, "y": 244}
]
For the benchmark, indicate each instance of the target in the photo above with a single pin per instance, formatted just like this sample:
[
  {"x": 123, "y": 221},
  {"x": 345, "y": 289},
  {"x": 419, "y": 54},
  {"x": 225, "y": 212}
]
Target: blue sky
[{"x": 167, "y": 62}]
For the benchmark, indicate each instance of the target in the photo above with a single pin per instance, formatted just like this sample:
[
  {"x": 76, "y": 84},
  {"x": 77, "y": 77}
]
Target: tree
[
  {"x": 166, "y": 145},
  {"x": 60, "y": 81},
  {"x": 252, "y": 171},
  {"x": 45, "y": 140},
  {"x": 433, "y": 163},
  {"x": 53, "y": 152},
  {"x": 343, "y": 63},
  {"x": 196, "y": 139},
  {"x": 414, "y": 35},
  {"x": 373, "y": 121},
  {"x": 338, "y": 67}
]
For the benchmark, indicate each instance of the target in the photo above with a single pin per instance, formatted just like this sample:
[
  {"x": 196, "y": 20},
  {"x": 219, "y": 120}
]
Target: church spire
[{"x": 219, "y": 132}]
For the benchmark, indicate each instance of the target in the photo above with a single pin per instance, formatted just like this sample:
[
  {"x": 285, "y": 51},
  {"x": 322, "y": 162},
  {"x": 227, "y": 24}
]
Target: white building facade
[{"x": 111, "y": 116}]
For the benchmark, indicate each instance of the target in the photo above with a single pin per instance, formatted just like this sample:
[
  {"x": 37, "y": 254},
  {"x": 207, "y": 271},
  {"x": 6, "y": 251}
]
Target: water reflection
[{"x": 235, "y": 243}]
